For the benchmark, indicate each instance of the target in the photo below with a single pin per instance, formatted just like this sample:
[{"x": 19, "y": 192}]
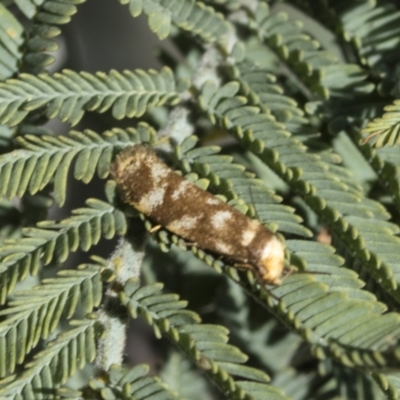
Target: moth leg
[
  {"x": 243, "y": 266},
  {"x": 257, "y": 274},
  {"x": 247, "y": 266},
  {"x": 289, "y": 271},
  {"x": 308, "y": 272},
  {"x": 293, "y": 270}
]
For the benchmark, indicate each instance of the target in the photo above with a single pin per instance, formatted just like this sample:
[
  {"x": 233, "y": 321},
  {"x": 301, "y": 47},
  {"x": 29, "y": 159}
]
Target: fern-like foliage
[
  {"x": 11, "y": 40},
  {"x": 69, "y": 94},
  {"x": 344, "y": 213},
  {"x": 128, "y": 384},
  {"x": 51, "y": 242},
  {"x": 373, "y": 46},
  {"x": 41, "y": 308},
  {"x": 47, "y": 158},
  {"x": 189, "y": 15},
  {"x": 204, "y": 344},
  {"x": 46, "y": 16},
  {"x": 385, "y": 130},
  {"x": 303, "y": 314},
  {"x": 70, "y": 351},
  {"x": 250, "y": 106}
]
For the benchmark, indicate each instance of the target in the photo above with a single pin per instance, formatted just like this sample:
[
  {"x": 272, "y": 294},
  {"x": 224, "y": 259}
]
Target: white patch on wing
[
  {"x": 152, "y": 200},
  {"x": 158, "y": 172},
  {"x": 248, "y": 236},
  {"x": 183, "y": 186},
  {"x": 183, "y": 224},
  {"x": 223, "y": 248},
  {"x": 273, "y": 249},
  {"x": 220, "y": 218},
  {"x": 213, "y": 201},
  {"x": 125, "y": 164}
]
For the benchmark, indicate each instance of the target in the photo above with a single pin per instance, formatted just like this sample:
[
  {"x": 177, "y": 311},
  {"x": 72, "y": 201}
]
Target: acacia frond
[
  {"x": 10, "y": 41},
  {"x": 341, "y": 205},
  {"x": 330, "y": 294},
  {"x": 47, "y": 158},
  {"x": 380, "y": 148},
  {"x": 261, "y": 89},
  {"x": 130, "y": 383},
  {"x": 307, "y": 301},
  {"x": 34, "y": 314},
  {"x": 51, "y": 242},
  {"x": 385, "y": 162},
  {"x": 189, "y": 15},
  {"x": 70, "y": 351},
  {"x": 383, "y": 22},
  {"x": 6, "y": 135},
  {"x": 28, "y": 7},
  {"x": 319, "y": 70},
  {"x": 326, "y": 308},
  {"x": 69, "y": 94},
  {"x": 10, "y": 218},
  {"x": 384, "y": 131},
  {"x": 46, "y": 15},
  {"x": 374, "y": 46},
  {"x": 205, "y": 344},
  {"x": 53, "y": 12},
  {"x": 389, "y": 384},
  {"x": 182, "y": 376}
]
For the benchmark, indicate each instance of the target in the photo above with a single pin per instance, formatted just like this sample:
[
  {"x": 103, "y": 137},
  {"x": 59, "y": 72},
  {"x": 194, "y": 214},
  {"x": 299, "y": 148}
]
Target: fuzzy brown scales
[{"x": 153, "y": 188}]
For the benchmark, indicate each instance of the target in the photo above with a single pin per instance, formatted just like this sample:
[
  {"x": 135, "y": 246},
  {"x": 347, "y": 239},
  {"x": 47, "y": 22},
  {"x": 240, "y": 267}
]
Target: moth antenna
[
  {"x": 294, "y": 271},
  {"x": 312, "y": 272}
]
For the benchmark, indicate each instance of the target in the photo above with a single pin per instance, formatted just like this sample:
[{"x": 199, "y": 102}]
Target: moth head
[{"x": 272, "y": 261}]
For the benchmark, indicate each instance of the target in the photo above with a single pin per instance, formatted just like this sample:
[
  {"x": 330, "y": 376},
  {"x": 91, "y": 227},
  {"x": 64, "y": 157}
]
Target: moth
[{"x": 153, "y": 188}]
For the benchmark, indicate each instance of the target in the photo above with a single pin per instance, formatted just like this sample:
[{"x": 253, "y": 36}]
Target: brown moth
[{"x": 154, "y": 189}]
